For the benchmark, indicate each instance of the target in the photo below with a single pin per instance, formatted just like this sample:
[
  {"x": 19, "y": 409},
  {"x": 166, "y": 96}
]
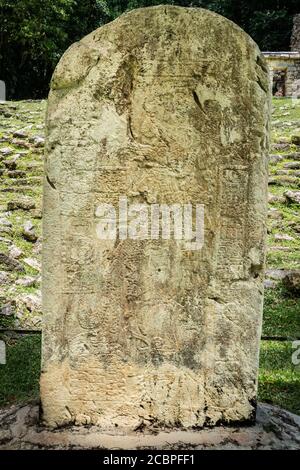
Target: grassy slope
[
  {"x": 279, "y": 379},
  {"x": 28, "y": 116}
]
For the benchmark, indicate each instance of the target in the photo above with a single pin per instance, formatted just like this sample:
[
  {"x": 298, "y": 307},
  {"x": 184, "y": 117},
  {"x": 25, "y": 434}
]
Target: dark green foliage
[
  {"x": 33, "y": 37},
  {"x": 271, "y": 29},
  {"x": 19, "y": 377},
  {"x": 35, "y": 33}
]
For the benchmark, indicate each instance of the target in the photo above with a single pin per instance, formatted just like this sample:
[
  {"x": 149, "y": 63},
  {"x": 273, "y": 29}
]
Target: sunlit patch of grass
[{"x": 283, "y": 259}]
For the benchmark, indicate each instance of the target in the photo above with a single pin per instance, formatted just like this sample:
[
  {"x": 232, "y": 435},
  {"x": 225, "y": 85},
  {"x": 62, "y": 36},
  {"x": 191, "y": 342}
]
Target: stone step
[
  {"x": 278, "y": 157},
  {"x": 284, "y": 181},
  {"x": 294, "y": 156},
  {"x": 20, "y": 189},
  {"x": 292, "y": 165},
  {"x": 279, "y": 248},
  {"x": 22, "y": 181},
  {"x": 292, "y": 197},
  {"x": 34, "y": 166},
  {"x": 281, "y": 146},
  {"x": 273, "y": 199},
  {"x": 295, "y": 173}
]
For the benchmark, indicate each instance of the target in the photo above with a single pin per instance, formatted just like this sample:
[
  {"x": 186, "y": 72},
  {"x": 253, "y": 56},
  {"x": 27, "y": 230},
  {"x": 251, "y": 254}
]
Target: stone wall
[
  {"x": 289, "y": 63},
  {"x": 295, "y": 39}
]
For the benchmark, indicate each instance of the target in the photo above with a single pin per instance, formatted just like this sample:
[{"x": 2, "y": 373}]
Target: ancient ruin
[
  {"x": 284, "y": 66},
  {"x": 284, "y": 69},
  {"x": 163, "y": 106},
  {"x": 295, "y": 39}
]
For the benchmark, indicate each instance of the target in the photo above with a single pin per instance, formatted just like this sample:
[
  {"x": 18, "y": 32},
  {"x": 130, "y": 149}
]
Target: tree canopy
[{"x": 35, "y": 33}]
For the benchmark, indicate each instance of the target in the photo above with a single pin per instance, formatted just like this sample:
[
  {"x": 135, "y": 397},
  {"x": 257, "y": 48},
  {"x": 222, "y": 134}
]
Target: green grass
[
  {"x": 19, "y": 377},
  {"x": 293, "y": 108},
  {"x": 281, "y": 314},
  {"x": 7, "y": 321},
  {"x": 284, "y": 259},
  {"x": 279, "y": 379}
]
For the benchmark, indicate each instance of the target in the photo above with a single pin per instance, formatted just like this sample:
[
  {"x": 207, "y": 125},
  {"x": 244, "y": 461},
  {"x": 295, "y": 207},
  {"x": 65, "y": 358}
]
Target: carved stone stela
[{"x": 165, "y": 105}]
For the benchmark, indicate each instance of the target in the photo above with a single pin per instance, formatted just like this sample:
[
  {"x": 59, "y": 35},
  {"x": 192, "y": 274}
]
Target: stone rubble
[{"x": 21, "y": 167}]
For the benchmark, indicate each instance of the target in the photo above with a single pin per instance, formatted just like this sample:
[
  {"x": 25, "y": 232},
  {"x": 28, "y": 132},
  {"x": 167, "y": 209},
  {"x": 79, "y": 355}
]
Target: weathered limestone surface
[{"x": 166, "y": 105}]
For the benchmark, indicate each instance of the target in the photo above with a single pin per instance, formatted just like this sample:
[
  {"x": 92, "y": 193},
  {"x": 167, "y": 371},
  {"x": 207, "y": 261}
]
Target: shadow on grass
[
  {"x": 19, "y": 377},
  {"x": 279, "y": 378},
  {"x": 281, "y": 313}
]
